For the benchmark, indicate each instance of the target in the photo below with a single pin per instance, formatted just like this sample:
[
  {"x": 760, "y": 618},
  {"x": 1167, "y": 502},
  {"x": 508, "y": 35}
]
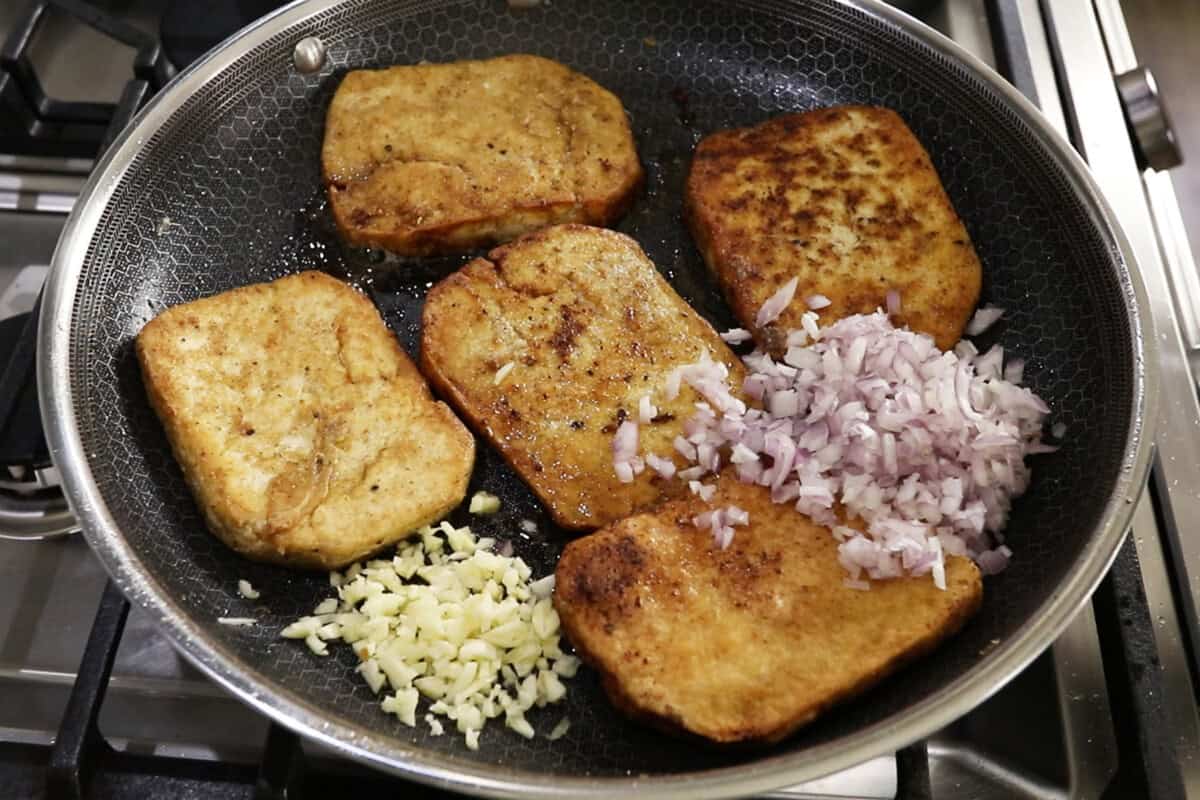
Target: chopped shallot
[
  {"x": 818, "y": 301},
  {"x": 665, "y": 467},
  {"x": 646, "y": 410},
  {"x": 893, "y": 303},
  {"x": 865, "y": 420},
  {"x": 776, "y": 303},
  {"x": 984, "y": 318},
  {"x": 625, "y": 447},
  {"x": 736, "y": 336}
]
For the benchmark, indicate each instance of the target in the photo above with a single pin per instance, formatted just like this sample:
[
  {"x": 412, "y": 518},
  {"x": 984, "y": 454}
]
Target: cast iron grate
[{"x": 33, "y": 123}]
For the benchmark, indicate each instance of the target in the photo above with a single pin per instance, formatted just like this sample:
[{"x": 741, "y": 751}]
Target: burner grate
[{"x": 33, "y": 123}]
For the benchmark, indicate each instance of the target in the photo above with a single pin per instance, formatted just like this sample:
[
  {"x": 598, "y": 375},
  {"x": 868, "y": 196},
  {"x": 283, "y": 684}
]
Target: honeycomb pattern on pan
[{"x": 228, "y": 193}]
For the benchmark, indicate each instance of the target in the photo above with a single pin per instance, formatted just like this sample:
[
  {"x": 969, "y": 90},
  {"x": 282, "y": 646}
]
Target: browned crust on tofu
[
  {"x": 307, "y": 436},
  {"x": 750, "y": 643},
  {"x": 845, "y": 199},
  {"x": 445, "y": 158},
  {"x": 590, "y": 327}
]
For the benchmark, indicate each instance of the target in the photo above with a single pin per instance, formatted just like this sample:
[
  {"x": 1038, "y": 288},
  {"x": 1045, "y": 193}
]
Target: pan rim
[{"x": 282, "y": 705}]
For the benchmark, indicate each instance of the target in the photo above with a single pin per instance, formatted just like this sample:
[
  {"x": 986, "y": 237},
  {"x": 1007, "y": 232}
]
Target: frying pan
[{"x": 216, "y": 184}]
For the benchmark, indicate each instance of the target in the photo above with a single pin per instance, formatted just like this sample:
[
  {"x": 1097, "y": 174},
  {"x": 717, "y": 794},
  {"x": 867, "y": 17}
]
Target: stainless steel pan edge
[{"x": 293, "y": 711}]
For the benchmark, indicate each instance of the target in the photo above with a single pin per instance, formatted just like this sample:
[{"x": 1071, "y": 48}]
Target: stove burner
[
  {"x": 32, "y": 505},
  {"x": 33, "y": 123},
  {"x": 22, "y": 443}
]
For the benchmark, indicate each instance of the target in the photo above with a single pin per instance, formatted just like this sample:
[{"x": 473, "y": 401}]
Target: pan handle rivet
[{"x": 309, "y": 54}]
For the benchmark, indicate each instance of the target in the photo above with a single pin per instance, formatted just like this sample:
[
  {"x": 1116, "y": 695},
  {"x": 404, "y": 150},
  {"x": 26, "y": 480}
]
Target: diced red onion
[
  {"x": 625, "y": 446},
  {"x": 992, "y": 562},
  {"x": 966, "y": 350},
  {"x": 704, "y": 491},
  {"x": 818, "y": 301},
  {"x": 720, "y": 525},
  {"x": 685, "y": 448},
  {"x": 755, "y": 386},
  {"x": 736, "y": 336},
  {"x": 801, "y": 358},
  {"x": 1014, "y": 370},
  {"x": 893, "y": 302},
  {"x": 646, "y": 410},
  {"x": 736, "y": 516},
  {"x": 723, "y": 536},
  {"x": 797, "y": 338},
  {"x": 785, "y": 403},
  {"x": 776, "y": 303},
  {"x": 926, "y": 448},
  {"x": 990, "y": 364},
  {"x": 742, "y": 454},
  {"x": 809, "y": 323},
  {"x": 785, "y": 493},
  {"x": 625, "y": 443},
  {"x": 665, "y": 467},
  {"x": 674, "y": 383},
  {"x": 842, "y": 532},
  {"x": 983, "y": 319}
]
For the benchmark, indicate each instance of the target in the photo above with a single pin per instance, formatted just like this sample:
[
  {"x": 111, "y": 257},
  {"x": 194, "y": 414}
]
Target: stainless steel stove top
[{"x": 1048, "y": 734}]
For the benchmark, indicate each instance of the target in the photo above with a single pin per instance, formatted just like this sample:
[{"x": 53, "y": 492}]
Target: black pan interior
[{"x": 228, "y": 193}]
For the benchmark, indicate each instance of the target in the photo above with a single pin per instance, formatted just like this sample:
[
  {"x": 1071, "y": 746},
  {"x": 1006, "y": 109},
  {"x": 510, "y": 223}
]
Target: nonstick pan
[{"x": 216, "y": 184}]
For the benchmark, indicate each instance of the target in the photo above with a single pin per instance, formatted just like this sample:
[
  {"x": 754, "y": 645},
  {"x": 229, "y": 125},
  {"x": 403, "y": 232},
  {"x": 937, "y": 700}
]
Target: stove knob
[{"x": 1148, "y": 122}]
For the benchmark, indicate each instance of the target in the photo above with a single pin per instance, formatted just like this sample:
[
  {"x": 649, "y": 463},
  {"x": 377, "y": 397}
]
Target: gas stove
[{"x": 94, "y": 702}]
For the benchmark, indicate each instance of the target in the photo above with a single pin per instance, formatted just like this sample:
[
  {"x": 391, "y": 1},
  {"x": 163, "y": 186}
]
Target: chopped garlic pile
[
  {"x": 452, "y": 620},
  {"x": 484, "y": 503}
]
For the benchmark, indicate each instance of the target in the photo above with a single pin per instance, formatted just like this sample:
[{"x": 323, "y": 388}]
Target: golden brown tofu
[
  {"x": 845, "y": 200},
  {"x": 589, "y": 327},
  {"x": 306, "y": 434},
  {"x": 444, "y": 158},
  {"x": 749, "y": 643}
]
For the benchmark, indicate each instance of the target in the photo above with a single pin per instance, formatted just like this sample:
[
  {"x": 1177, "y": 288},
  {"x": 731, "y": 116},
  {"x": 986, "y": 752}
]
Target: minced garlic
[
  {"x": 475, "y": 637},
  {"x": 484, "y": 503}
]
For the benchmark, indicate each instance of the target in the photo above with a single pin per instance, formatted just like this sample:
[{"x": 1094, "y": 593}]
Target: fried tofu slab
[
  {"x": 444, "y": 158},
  {"x": 750, "y": 643},
  {"x": 548, "y": 344},
  {"x": 847, "y": 201},
  {"x": 306, "y": 434}
]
